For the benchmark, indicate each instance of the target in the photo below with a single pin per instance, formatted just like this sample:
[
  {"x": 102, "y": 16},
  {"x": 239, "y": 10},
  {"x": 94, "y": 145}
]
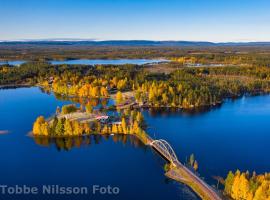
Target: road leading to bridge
[{"x": 181, "y": 173}]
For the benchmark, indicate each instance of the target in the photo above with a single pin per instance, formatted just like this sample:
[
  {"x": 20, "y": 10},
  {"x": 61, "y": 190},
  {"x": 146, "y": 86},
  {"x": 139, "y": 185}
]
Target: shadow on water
[
  {"x": 181, "y": 112},
  {"x": 67, "y": 143}
]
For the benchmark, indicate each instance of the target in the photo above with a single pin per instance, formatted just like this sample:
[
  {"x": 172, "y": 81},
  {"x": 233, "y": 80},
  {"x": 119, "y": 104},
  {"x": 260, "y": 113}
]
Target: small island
[{"x": 71, "y": 121}]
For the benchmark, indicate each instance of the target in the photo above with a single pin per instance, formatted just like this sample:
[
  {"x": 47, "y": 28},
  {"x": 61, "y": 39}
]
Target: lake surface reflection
[
  {"x": 229, "y": 137},
  {"x": 82, "y": 162},
  {"x": 91, "y": 62},
  {"x": 67, "y": 143},
  {"x": 232, "y": 136}
]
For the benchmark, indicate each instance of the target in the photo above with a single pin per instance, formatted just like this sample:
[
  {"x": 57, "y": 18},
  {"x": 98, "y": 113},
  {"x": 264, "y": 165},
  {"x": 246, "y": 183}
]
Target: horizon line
[{"x": 104, "y": 40}]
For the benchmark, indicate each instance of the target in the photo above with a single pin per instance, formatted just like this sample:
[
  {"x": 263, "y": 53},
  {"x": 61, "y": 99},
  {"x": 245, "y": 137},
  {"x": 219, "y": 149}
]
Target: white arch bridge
[
  {"x": 180, "y": 172},
  {"x": 165, "y": 149}
]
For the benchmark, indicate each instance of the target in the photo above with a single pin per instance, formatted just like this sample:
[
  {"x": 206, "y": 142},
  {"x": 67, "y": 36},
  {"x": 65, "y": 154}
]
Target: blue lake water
[
  {"x": 235, "y": 135},
  {"x": 14, "y": 62},
  {"x": 92, "y": 62},
  {"x": 107, "y": 62}
]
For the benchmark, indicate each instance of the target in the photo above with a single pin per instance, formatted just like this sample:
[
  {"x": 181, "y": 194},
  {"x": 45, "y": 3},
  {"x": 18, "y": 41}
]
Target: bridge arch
[{"x": 167, "y": 149}]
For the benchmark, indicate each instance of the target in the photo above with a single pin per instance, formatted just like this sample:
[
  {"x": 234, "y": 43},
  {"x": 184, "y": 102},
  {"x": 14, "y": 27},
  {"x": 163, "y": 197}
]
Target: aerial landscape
[{"x": 135, "y": 100}]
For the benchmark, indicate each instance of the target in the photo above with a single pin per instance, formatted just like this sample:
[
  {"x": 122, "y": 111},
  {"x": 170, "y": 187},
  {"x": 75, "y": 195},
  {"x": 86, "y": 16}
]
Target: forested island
[{"x": 72, "y": 122}]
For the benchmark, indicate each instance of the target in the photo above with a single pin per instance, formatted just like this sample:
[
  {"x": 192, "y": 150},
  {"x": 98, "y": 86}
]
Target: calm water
[
  {"x": 92, "y": 62},
  {"x": 15, "y": 62},
  {"x": 107, "y": 62},
  {"x": 236, "y": 135},
  {"x": 233, "y": 136},
  {"x": 120, "y": 162}
]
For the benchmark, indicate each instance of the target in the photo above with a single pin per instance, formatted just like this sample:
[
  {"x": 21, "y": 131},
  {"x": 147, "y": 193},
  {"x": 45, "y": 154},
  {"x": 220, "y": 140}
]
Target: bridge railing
[{"x": 165, "y": 148}]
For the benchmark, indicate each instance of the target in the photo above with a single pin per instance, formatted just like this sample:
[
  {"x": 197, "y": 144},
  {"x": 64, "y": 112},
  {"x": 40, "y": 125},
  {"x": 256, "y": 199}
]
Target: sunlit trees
[
  {"x": 104, "y": 92},
  {"x": 139, "y": 118},
  {"x": 106, "y": 129},
  {"x": 41, "y": 127},
  {"x": 229, "y": 182},
  {"x": 86, "y": 128},
  {"x": 68, "y": 128},
  {"x": 82, "y": 90},
  {"x": 114, "y": 128},
  {"x": 89, "y": 107},
  {"x": 77, "y": 128},
  {"x": 119, "y": 97},
  {"x": 242, "y": 186},
  {"x": 37, "y": 125},
  {"x": 188, "y": 88},
  {"x": 184, "y": 88},
  {"x": 59, "y": 129},
  {"x": 129, "y": 122},
  {"x": 124, "y": 125},
  {"x": 121, "y": 84}
]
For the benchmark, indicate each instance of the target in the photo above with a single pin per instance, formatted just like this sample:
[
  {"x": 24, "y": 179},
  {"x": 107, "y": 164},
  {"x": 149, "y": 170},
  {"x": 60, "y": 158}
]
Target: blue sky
[{"x": 196, "y": 20}]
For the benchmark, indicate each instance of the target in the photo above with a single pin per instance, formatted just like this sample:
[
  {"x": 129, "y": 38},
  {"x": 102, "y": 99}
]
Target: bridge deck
[
  {"x": 182, "y": 174},
  {"x": 172, "y": 174}
]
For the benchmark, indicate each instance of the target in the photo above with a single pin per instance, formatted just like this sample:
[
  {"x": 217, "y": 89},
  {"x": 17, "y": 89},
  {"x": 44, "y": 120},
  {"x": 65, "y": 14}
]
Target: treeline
[
  {"x": 36, "y": 72},
  {"x": 245, "y": 186},
  {"x": 45, "y": 73},
  {"x": 195, "y": 87},
  {"x": 26, "y": 73},
  {"x": 255, "y": 72},
  {"x": 183, "y": 88},
  {"x": 231, "y": 57},
  {"x": 86, "y": 90}
]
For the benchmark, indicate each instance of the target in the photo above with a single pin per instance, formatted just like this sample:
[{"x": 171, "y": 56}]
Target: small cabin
[{"x": 102, "y": 118}]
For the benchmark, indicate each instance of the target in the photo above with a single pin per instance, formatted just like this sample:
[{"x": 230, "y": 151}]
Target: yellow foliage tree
[
  {"x": 105, "y": 130},
  {"x": 37, "y": 127},
  {"x": 68, "y": 128},
  {"x": 114, "y": 128},
  {"x": 119, "y": 97},
  {"x": 124, "y": 125}
]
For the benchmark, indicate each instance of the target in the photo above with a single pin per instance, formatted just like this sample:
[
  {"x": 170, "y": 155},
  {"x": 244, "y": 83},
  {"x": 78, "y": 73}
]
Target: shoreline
[
  {"x": 14, "y": 86},
  {"x": 135, "y": 105}
]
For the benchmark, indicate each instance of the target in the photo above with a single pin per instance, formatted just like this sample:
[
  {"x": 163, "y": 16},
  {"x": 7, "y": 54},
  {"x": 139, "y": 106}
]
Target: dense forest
[
  {"x": 247, "y": 186},
  {"x": 182, "y": 88}
]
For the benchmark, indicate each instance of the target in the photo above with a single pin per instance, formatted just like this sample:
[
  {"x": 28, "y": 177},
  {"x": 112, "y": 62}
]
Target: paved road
[
  {"x": 192, "y": 177},
  {"x": 208, "y": 190}
]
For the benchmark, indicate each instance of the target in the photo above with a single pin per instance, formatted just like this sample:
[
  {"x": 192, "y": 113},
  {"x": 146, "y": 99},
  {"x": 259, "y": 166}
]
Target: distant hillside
[{"x": 132, "y": 43}]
